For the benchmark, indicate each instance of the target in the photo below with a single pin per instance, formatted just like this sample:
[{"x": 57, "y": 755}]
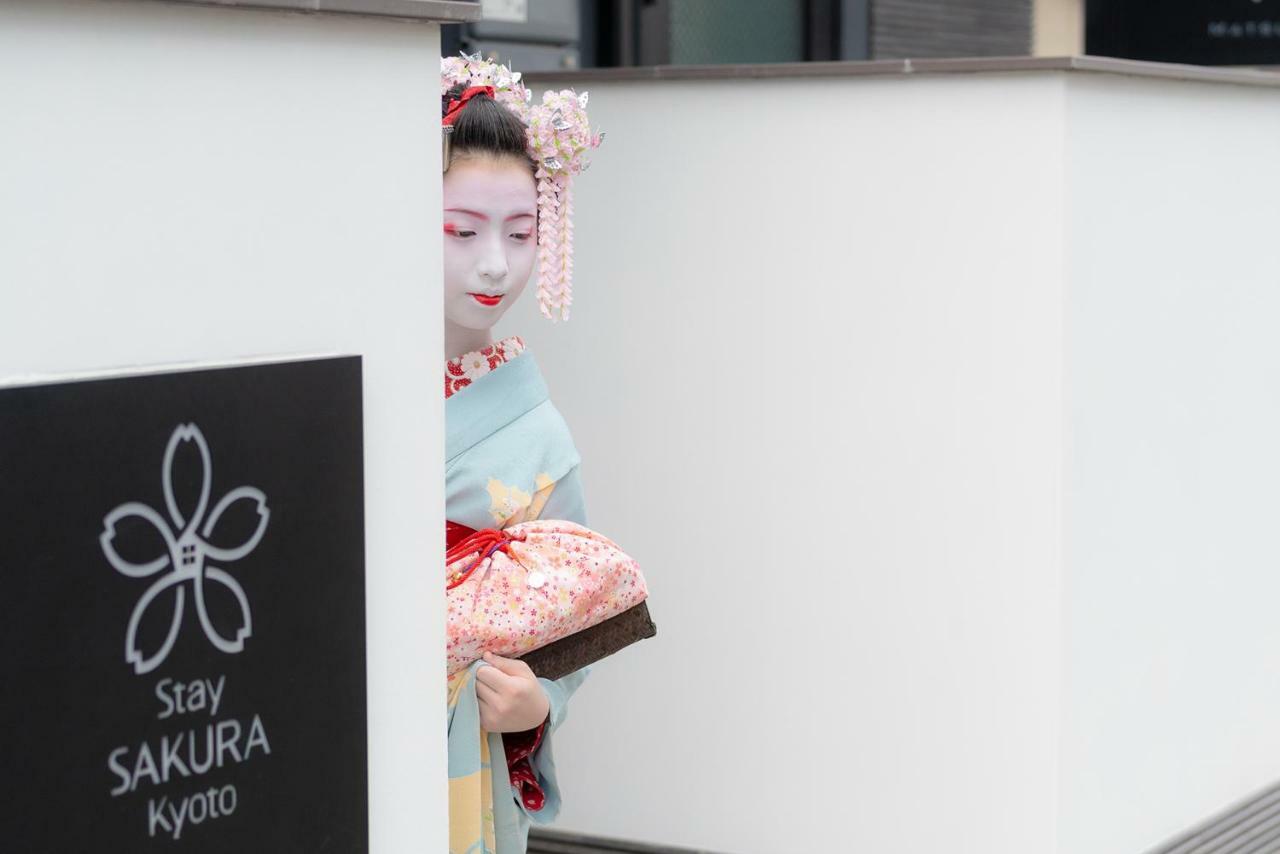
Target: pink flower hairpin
[{"x": 558, "y": 138}]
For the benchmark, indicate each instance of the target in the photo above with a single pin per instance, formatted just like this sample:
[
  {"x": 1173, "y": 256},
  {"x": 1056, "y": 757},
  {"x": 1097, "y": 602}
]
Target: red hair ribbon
[{"x": 456, "y": 104}]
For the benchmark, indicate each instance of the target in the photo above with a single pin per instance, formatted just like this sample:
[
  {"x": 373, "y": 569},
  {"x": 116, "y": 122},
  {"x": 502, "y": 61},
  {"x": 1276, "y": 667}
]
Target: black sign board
[
  {"x": 1200, "y": 32},
  {"x": 182, "y": 612}
]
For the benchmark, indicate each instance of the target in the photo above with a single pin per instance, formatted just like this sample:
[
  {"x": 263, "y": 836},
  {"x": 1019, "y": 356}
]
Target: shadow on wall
[{"x": 558, "y": 842}]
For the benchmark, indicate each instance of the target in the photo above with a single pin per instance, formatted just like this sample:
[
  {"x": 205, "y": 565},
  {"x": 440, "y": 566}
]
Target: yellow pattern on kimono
[
  {"x": 510, "y": 505},
  {"x": 471, "y": 820}
]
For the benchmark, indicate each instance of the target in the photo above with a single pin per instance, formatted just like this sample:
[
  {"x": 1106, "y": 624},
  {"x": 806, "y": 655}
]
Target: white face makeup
[{"x": 490, "y": 238}]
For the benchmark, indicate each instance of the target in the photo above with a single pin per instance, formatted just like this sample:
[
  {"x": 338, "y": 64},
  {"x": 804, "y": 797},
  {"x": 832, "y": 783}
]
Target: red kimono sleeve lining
[{"x": 519, "y": 747}]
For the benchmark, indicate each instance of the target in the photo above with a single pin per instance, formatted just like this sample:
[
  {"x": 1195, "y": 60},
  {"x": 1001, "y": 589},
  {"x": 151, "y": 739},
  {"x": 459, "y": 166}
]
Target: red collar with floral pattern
[{"x": 460, "y": 372}]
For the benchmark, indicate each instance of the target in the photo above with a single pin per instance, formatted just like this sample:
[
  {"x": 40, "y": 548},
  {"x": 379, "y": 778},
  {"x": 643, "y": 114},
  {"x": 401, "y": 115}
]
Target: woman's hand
[{"x": 511, "y": 698}]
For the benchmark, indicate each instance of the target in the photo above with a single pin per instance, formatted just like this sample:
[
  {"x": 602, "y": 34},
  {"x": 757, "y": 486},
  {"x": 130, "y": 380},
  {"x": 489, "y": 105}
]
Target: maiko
[{"x": 189, "y": 753}]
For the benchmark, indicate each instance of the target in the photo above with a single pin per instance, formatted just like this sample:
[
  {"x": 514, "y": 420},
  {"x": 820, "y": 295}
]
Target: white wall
[
  {"x": 188, "y": 184},
  {"x": 941, "y": 413},
  {"x": 1172, "y": 677},
  {"x": 812, "y": 372}
]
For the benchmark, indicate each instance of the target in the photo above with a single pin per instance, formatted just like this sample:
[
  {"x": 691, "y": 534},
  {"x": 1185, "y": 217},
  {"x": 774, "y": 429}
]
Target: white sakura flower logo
[{"x": 187, "y": 548}]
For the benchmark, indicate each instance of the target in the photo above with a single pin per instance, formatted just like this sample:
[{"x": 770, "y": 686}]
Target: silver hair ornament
[{"x": 445, "y": 136}]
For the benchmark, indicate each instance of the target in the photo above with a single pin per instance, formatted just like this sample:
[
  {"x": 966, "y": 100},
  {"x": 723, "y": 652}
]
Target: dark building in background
[
  {"x": 921, "y": 29},
  {"x": 545, "y": 35},
  {"x": 555, "y": 35},
  {"x": 1202, "y": 32},
  {"x": 560, "y": 34}
]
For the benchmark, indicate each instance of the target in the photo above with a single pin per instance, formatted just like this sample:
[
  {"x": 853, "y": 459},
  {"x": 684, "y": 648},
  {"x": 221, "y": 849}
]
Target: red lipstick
[{"x": 484, "y": 300}]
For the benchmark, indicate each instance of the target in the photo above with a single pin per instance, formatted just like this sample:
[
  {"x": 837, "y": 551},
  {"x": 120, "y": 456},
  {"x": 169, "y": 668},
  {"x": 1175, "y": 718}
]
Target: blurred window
[{"x": 736, "y": 31}]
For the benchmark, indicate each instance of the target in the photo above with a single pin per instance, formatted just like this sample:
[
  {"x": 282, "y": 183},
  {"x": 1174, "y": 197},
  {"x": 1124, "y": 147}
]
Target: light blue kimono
[{"x": 504, "y": 442}]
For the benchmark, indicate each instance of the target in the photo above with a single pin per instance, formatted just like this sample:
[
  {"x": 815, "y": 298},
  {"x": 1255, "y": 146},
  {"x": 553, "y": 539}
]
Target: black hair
[{"x": 484, "y": 127}]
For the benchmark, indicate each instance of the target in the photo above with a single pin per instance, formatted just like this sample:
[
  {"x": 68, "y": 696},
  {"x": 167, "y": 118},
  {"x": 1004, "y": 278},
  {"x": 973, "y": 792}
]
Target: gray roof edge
[
  {"x": 975, "y": 64},
  {"x": 437, "y": 11}
]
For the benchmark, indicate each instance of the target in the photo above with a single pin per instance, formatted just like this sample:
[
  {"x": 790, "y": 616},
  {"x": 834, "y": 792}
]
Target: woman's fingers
[
  {"x": 487, "y": 698},
  {"x": 493, "y": 677},
  {"x": 485, "y": 693},
  {"x": 509, "y": 666}
]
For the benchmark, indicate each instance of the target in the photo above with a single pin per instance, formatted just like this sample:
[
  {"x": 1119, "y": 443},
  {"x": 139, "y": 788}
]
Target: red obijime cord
[{"x": 485, "y": 541}]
